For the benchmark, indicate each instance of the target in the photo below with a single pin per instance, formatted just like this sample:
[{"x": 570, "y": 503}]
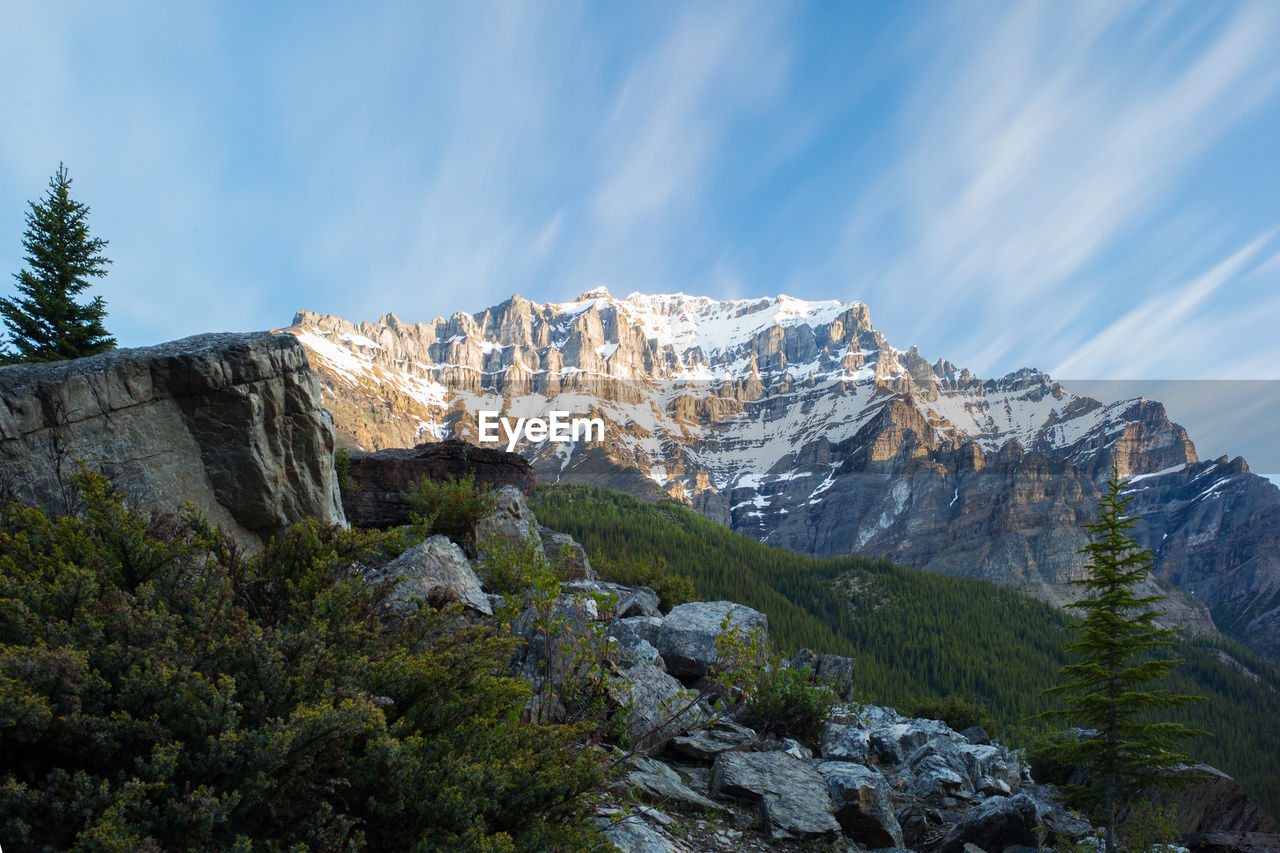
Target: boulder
[
  {"x": 1231, "y": 842},
  {"x": 435, "y": 572},
  {"x": 835, "y": 671},
  {"x": 659, "y": 783},
  {"x": 893, "y": 744},
  {"x": 630, "y": 834},
  {"x": 707, "y": 744},
  {"x": 510, "y": 522},
  {"x": 688, "y": 637},
  {"x": 845, "y": 743},
  {"x": 792, "y": 795},
  {"x": 232, "y": 423},
  {"x": 641, "y": 601},
  {"x": 1216, "y": 803},
  {"x": 863, "y": 804},
  {"x": 937, "y": 769},
  {"x": 382, "y": 478},
  {"x": 995, "y": 824},
  {"x": 635, "y": 628},
  {"x": 564, "y": 552},
  {"x": 653, "y": 701},
  {"x": 557, "y": 655}
]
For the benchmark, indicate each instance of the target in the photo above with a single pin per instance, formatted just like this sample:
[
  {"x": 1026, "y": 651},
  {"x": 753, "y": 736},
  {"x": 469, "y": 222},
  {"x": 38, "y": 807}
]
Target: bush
[
  {"x": 449, "y": 508},
  {"x": 158, "y": 691},
  {"x": 784, "y": 702},
  {"x": 632, "y": 570},
  {"x": 957, "y": 713},
  {"x": 342, "y": 468}
]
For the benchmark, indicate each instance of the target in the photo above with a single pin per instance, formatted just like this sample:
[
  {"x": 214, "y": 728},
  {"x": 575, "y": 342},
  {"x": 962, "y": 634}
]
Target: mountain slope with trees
[{"x": 916, "y": 634}]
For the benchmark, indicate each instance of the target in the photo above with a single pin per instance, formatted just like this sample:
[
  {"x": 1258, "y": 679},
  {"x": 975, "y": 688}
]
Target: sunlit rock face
[{"x": 798, "y": 423}]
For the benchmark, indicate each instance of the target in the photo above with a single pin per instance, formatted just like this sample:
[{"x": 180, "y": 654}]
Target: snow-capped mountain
[{"x": 797, "y": 422}]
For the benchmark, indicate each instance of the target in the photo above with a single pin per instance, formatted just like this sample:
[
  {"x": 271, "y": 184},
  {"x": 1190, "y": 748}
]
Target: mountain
[{"x": 799, "y": 424}]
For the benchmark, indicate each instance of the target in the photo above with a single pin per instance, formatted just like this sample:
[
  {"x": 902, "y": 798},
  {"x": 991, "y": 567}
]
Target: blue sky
[{"x": 1089, "y": 188}]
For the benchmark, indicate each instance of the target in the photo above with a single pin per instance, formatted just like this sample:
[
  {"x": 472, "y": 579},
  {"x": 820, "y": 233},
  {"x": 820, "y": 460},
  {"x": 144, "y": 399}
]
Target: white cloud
[{"x": 1037, "y": 146}]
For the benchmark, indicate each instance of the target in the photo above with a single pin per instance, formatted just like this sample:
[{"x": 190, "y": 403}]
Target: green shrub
[
  {"x": 783, "y": 701},
  {"x": 342, "y": 468},
  {"x": 632, "y": 570},
  {"x": 956, "y": 712},
  {"x": 450, "y": 508},
  {"x": 158, "y": 691}
]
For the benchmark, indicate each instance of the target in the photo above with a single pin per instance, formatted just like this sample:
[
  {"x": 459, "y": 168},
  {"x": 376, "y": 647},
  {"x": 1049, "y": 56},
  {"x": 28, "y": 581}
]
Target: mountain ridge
[{"x": 800, "y": 424}]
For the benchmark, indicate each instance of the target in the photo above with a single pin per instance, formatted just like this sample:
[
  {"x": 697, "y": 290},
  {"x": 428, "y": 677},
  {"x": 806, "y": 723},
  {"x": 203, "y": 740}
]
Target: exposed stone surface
[
  {"x": 566, "y": 554},
  {"x": 792, "y": 795},
  {"x": 510, "y": 522},
  {"x": 383, "y": 478},
  {"x": 996, "y": 824},
  {"x": 706, "y": 744},
  {"x": 1216, "y": 803},
  {"x": 835, "y": 671},
  {"x": 863, "y": 804},
  {"x": 232, "y": 423},
  {"x": 1231, "y": 842},
  {"x": 688, "y": 637},
  {"x": 434, "y": 572},
  {"x": 664, "y": 786}
]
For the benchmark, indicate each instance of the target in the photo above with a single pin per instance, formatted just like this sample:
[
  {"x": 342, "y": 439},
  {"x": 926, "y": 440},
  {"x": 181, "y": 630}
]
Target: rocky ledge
[{"x": 231, "y": 423}]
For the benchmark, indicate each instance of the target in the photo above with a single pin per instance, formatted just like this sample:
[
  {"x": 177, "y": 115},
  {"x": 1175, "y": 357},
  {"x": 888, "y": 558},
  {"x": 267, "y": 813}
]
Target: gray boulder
[
  {"x": 688, "y": 637},
  {"x": 706, "y": 744},
  {"x": 510, "y": 523},
  {"x": 893, "y": 744},
  {"x": 630, "y": 834},
  {"x": 845, "y": 743},
  {"x": 653, "y": 701},
  {"x": 792, "y": 795},
  {"x": 938, "y": 769},
  {"x": 232, "y": 423},
  {"x": 435, "y": 572},
  {"x": 995, "y": 824},
  {"x": 659, "y": 783},
  {"x": 564, "y": 552},
  {"x": 863, "y": 804},
  {"x": 835, "y": 671},
  {"x": 636, "y": 628},
  {"x": 640, "y": 601}
]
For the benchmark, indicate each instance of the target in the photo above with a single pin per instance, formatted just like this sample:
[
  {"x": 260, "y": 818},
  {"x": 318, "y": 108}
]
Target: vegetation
[
  {"x": 159, "y": 691},
  {"x": 449, "y": 508},
  {"x": 1109, "y": 689},
  {"x": 956, "y": 712},
  {"x": 631, "y": 569},
  {"x": 924, "y": 635},
  {"x": 45, "y": 322},
  {"x": 342, "y": 469}
]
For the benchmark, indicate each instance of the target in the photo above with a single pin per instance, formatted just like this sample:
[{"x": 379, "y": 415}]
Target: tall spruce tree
[
  {"x": 45, "y": 321},
  {"x": 1109, "y": 691}
]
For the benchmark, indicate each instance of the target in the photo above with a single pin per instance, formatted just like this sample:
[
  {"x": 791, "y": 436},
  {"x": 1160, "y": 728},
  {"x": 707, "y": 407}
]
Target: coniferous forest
[{"x": 917, "y": 635}]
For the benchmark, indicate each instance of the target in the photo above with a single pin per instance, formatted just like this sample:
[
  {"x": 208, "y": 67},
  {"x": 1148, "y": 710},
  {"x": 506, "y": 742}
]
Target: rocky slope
[
  {"x": 694, "y": 777},
  {"x": 798, "y": 423},
  {"x": 231, "y": 423}
]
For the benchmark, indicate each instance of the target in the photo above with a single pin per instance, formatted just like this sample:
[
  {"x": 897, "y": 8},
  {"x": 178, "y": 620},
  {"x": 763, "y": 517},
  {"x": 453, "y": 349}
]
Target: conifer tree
[
  {"x": 45, "y": 321},
  {"x": 1109, "y": 691}
]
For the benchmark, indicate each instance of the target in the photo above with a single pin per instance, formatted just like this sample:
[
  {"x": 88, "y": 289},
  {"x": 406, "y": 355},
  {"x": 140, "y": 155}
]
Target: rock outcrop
[
  {"x": 799, "y": 424},
  {"x": 229, "y": 422},
  {"x": 381, "y": 479}
]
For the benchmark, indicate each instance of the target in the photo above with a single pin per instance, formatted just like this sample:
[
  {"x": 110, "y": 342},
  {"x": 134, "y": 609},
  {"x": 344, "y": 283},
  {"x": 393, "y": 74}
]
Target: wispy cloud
[
  {"x": 1165, "y": 337},
  {"x": 1037, "y": 144}
]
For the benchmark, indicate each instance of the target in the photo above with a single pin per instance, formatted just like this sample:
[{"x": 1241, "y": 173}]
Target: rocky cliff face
[
  {"x": 798, "y": 423},
  {"x": 230, "y": 422}
]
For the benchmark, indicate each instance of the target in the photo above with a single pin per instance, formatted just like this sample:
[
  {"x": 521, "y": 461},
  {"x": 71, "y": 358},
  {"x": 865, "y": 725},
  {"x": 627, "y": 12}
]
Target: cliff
[{"x": 231, "y": 423}]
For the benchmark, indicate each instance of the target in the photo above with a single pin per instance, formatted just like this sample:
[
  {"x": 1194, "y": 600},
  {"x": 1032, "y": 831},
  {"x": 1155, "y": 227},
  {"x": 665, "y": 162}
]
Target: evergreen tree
[
  {"x": 1109, "y": 690},
  {"x": 45, "y": 322}
]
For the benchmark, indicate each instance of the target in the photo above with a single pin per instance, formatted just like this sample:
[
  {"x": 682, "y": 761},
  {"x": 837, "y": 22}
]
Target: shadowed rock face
[
  {"x": 382, "y": 478},
  {"x": 230, "y": 422},
  {"x": 799, "y": 424}
]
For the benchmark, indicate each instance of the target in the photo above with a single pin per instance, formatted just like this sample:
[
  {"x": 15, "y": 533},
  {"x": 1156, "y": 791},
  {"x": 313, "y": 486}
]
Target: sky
[{"x": 1091, "y": 188}]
